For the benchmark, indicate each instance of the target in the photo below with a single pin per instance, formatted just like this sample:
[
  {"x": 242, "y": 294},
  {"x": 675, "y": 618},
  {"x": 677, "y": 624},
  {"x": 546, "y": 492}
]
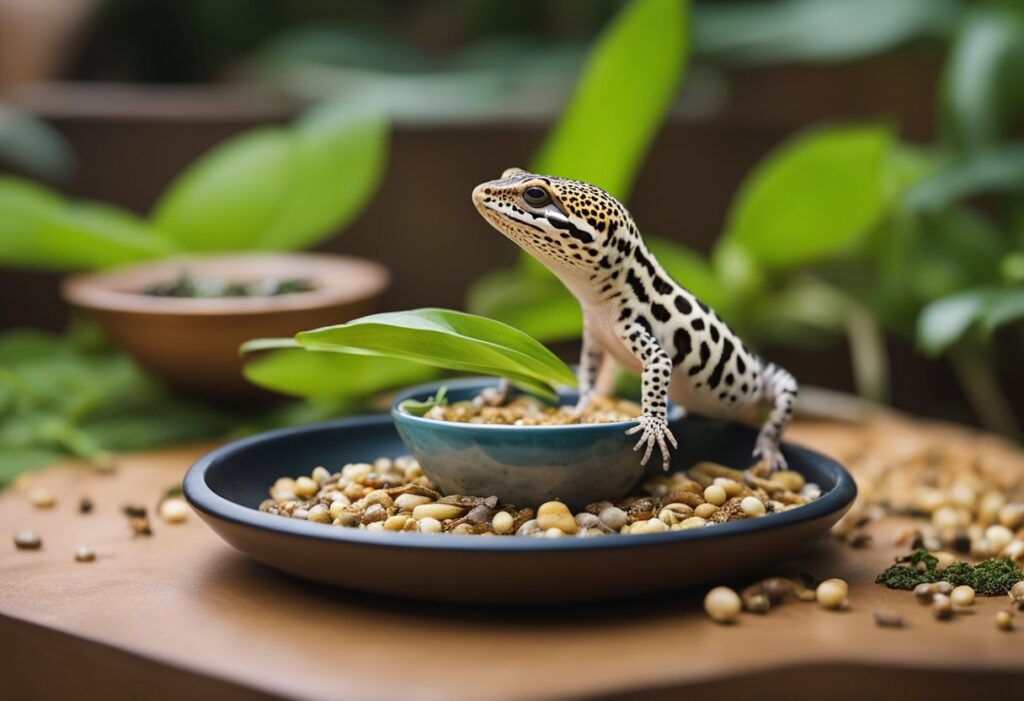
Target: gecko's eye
[{"x": 536, "y": 196}]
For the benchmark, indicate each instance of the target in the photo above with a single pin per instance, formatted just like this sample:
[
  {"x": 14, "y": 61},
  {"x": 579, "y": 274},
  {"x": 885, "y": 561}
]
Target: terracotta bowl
[{"x": 193, "y": 343}]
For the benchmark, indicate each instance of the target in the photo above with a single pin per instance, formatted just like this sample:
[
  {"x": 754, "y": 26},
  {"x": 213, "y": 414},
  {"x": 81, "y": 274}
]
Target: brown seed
[
  {"x": 1004, "y": 620},
  {"x": 85, "y": 506},
  {"x": 42, "y": 498},
  {"x": 27, "y": 540},
  {"x": 887, "y": 618}
]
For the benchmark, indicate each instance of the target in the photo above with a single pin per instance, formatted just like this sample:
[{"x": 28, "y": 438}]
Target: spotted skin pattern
[{"x": 634, "y": 313}]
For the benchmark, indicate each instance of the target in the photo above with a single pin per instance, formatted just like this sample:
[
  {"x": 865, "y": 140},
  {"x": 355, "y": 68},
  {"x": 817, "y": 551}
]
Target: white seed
[
  {"x": 692, "y": 522},
  {"x": 946, "y": 518},
  {"x": 502, "y": 522},
  {"x": 356, "y": 471},
  {"x": 652, "y": 525},
  {"x": 613, "y": 517},
  {"x": 440, "y": 512},
  {"x": 555, "y": 514},
  {"x": 962, "y": 596},
  {"x": 27, "y": 540},
  {"x": 306, "y": 487},
  {"x": 339, "y": 498},
  {"x": 174, "y": 510},
  {"x": 722, "y": 605},
  {"x": 322, "y": 475},
  {"x": 945, "y": 560},
  {"x": 832, "y": 593},
  {"x": 810, "y": 491},
  {"x": 705, "y": 510},
  {"x": 41, "y": 497},
  {"x": 998, "y": 537},
  {"x": 1012, "y": 515},
  {"x": 752, "y": 506},
  {"x": 715, "y": 494},
  {"x": 981, "y": 549},
  {"x": 429, "y": 525},
  {"x": 944, "y": 588},
  {"x": 554, "y": 532},
  {"x": 396, "y": 523},
  {"x": 1016, "y": 593},
  {"x": 924, "y": 592},
  {"x": 408, "y": 502},
  {"x": 1015, "y": 551},
  {"x": 84, "y": 553}
]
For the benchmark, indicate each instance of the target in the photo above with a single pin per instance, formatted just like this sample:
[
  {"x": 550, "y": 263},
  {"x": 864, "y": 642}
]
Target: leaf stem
[{"x": 982, "y": 390}]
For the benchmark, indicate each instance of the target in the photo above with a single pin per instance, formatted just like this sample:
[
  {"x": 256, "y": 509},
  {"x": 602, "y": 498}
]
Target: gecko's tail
[{"x": 779, "y": 387}]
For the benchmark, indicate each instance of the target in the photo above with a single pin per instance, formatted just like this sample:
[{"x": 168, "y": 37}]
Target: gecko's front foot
[
  {"x": 653, "y": 431},
  {"x": 767, "y": 449}
]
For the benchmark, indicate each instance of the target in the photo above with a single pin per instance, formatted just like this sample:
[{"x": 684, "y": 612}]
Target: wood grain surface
[{"x": 181, "y": 614}]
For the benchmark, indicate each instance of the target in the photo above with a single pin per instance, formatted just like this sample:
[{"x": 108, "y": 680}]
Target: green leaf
[
  {"x": 418, "y": 408},
  {"x": 34, "y": 146},
  {"x": 995, "y": 171},
  {"x": 946, "y": 321},
  {"x": 983, "y": 92},
  {"x": 278, "y": 188},
  {"x": 1004, "y": 306},
  {"x": 16, "y": 460},
  {"x": 628, "y": 84},
  {"x": 814, "y": 30},
  {"x": 540, "y": 306},
  {"x": 451, "y": 340},
  {"x": 311, "y": 373},
  {"x": 813, "y": 197}
]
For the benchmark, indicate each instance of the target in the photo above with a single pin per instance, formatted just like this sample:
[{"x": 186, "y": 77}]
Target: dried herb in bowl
[{"x": 212, "y": 288}]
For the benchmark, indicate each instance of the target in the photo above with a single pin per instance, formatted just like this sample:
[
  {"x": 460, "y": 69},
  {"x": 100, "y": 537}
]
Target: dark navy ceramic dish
[
  {"x": 577, "y": 464},
  {"x": 227, "y": 485}
]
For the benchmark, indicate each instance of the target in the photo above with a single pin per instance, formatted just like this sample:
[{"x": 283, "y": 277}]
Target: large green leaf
[
  {"x": 306, "y": 373},
  {"x": 982, "y": 83},
  {"x": 276, "y": 187},
  {"x": 628, "y": 84},
  {"x": 813, "y": 197},
  {"x": 451, "y": 340},
  {"x": 1000, "y": 171}
]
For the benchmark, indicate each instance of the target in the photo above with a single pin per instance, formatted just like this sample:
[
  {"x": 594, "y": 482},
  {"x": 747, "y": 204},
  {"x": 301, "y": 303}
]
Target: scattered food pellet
[
  {"x": 527, "y": 411},
  {"x": 1004, "y": 620},
  {"x": 924, "y": 592},
  {"x": 942, "y": 607},
  {"x": 1016, "y": 593},
  {"x": 962, "y": 596},
  {"x": 41, "y": 497},
  {"x": 752, "y": 506},
  {"x": 27, "y": 540},
  {"x": 832, "y": 594},
  {"x": 85, "y": 505},
  {"x": 887, "y": 618},
  {"x": 138, "y": 519},
  {"x": 175, "y": 510},
  {"x": 555, "y": 514},
  {"x": 715, "y": 495},
  {"x": 83, "y": 553},
  {"x": 722, "y": 605}
]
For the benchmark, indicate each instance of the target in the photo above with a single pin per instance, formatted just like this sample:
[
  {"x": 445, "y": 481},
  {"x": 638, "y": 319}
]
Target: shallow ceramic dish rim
[{"x": 204, "y": 499}]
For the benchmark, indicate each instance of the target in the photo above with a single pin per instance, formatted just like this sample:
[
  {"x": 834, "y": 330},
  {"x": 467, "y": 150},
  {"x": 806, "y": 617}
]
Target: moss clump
[{"x": 988, "y": 578}]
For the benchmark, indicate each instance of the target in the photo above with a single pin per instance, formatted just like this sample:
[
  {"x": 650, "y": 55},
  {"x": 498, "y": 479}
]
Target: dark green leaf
[
  {"x": 945, "y": 321},
  {"x": 34, "y": 146},
  {"x": 992, "y": 172}
]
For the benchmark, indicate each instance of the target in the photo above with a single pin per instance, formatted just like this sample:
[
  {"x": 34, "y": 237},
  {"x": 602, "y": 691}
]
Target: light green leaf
[
  {"x": 451, "y": 340},
  {"x": 312, "y": 373},
  {"x": 628, "y": 84},
  {"x": 995, "y": 171},
  {"x": 813, "y": 197},
  {"x": 540, "y": 306},
  {"x": 1005, "y": 306},
  {"x": 945, "y": 321},
  {"x": 23, "y": 205}
]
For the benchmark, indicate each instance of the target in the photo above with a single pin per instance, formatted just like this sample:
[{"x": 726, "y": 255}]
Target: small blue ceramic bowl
[{"x": 524, "y": 465}]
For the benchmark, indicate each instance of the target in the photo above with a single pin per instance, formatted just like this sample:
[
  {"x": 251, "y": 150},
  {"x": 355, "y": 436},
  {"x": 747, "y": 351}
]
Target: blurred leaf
[
  {"x": 168, "y": 422},
  {"x": 343, "y": 47},
  {"x": 691, "y": 270},
  {"x": 452, "y": 340},
  {"x": 628, "y": 84},
  {"x": 948, "y": 320},
  {"x": 981, "y": 81},
  {"x": 307, "y": 373},
  {"x": 539, "y": 306},
  {"x": 14, "y": 461},
  {"x": 34, "y": 146},
  {"x": 995, "y": 171},
  {"x": 815, "y": 30},
  {"x": 1005, "y": 306},
  {"x": 813, "y": 197},
  {"x": 277, "y": 188}
]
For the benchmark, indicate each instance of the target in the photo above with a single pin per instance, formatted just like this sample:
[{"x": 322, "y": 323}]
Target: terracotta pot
[{"x": 193, "y": 343}]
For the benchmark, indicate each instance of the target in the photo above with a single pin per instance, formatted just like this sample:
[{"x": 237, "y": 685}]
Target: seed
[
  {"x": 887, "y": 618},
  {"x": 613, "y": 517},
  {"x": 529, "y": 528},
  {"x": 356, "y": 471},
  {"x": 85, "y": 505},
  {"x": 1014, "y": 551},
  {"x": 788, "y": 480},
  {"x": 1016, "y": 593},
  {"x": 428, "y": 524},
  {"x": 379, "y": 496},
  {"x": 374, "y": 513},
  {"x": 732, "y": 487},
  {"x": 924, "y": 592},
  {"x": 752, "y": 506},
  {"x": 319, "y": 514},
  {"x": 944, "y": 560},
  {"x": 408, "y": 502},
  {"x": 942, "y": 607},
  {"x": 322, "y": 475},
  {"x": 693, "y": 522},
  {"x": 832, "y": 593},
  {"x": 944, "y": 588},
  {"x": 42, "y": 498},
  {"x": 998, "y": 537},
  {"x": 1004, "y": 620},
  {"x": 27, "y": 540},
  {"x": 981, "y": 549},
  {"x": 300, "y": 513},
  {"x": 715, "y": 494},
  {"x": 946, "y": 517},
  {"x": 555, "y": 514},
  {"x": 502, "y": 522},
  {"x": 338, "y": 508},
  {"x": 83, "y": 553},
  {"x": 705, "y": 511},
  {"x": 722, "y": 605},
  {"x": 675, "y": 513},
  {"x": 174, "y": 510},
  {"x": 962, "y": 596},
  {"x": 306, "y": 487},
  {"x": 396, "y": 523},
  {"x": 347, "y": 518},
  {"x": 440, "y": 512},
  {"x": 1012, "y": 515},
  {"x": 554, "y": 533},
  {"x": 651, "y": 525}
]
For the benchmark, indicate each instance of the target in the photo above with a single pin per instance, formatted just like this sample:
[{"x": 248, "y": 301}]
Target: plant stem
[
  {"x": 983, "y": 393},
  {"x": 867, "y": 353}
]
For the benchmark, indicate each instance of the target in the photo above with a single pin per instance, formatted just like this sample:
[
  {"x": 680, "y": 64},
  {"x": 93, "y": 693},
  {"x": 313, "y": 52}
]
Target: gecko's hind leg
[{"x": 780, "y": 388}]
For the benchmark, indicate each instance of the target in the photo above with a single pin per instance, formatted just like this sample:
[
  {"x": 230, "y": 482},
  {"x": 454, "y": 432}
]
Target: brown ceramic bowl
[{"x": 193, "y": 343}]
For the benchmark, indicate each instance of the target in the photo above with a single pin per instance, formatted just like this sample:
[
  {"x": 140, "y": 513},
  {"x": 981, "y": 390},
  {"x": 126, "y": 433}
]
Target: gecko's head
[{"x": 564, "y": 223}]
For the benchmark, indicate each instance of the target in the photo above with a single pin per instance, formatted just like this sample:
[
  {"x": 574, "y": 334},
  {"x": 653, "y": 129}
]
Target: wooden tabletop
[{"x": 180, "y": 613}]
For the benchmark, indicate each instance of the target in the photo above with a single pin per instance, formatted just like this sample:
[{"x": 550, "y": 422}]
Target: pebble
[
  {"x": 715, "y": 494},
  {"x": 440, "y": 512},
  {"x": 722, "y": 605},
  {"x": 1004, "y": 620},
  {"x": 174, "y": 510},
  {"x": 502, "y": 522},
  {"x": 962, "y": 596},
  {"x": 753, "y": 507},
  {"x": 555, "y": 514},
  {"x": 83, "y": 553},
  {"x": 28, "y": 540},
  {"x": 613, "y": 517},
  {"x": 832, "y": 594},
  {"x": 305, "y": 487},
  {"x": 428, "y": 524},
  {"x": 42, "y": 498}
]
